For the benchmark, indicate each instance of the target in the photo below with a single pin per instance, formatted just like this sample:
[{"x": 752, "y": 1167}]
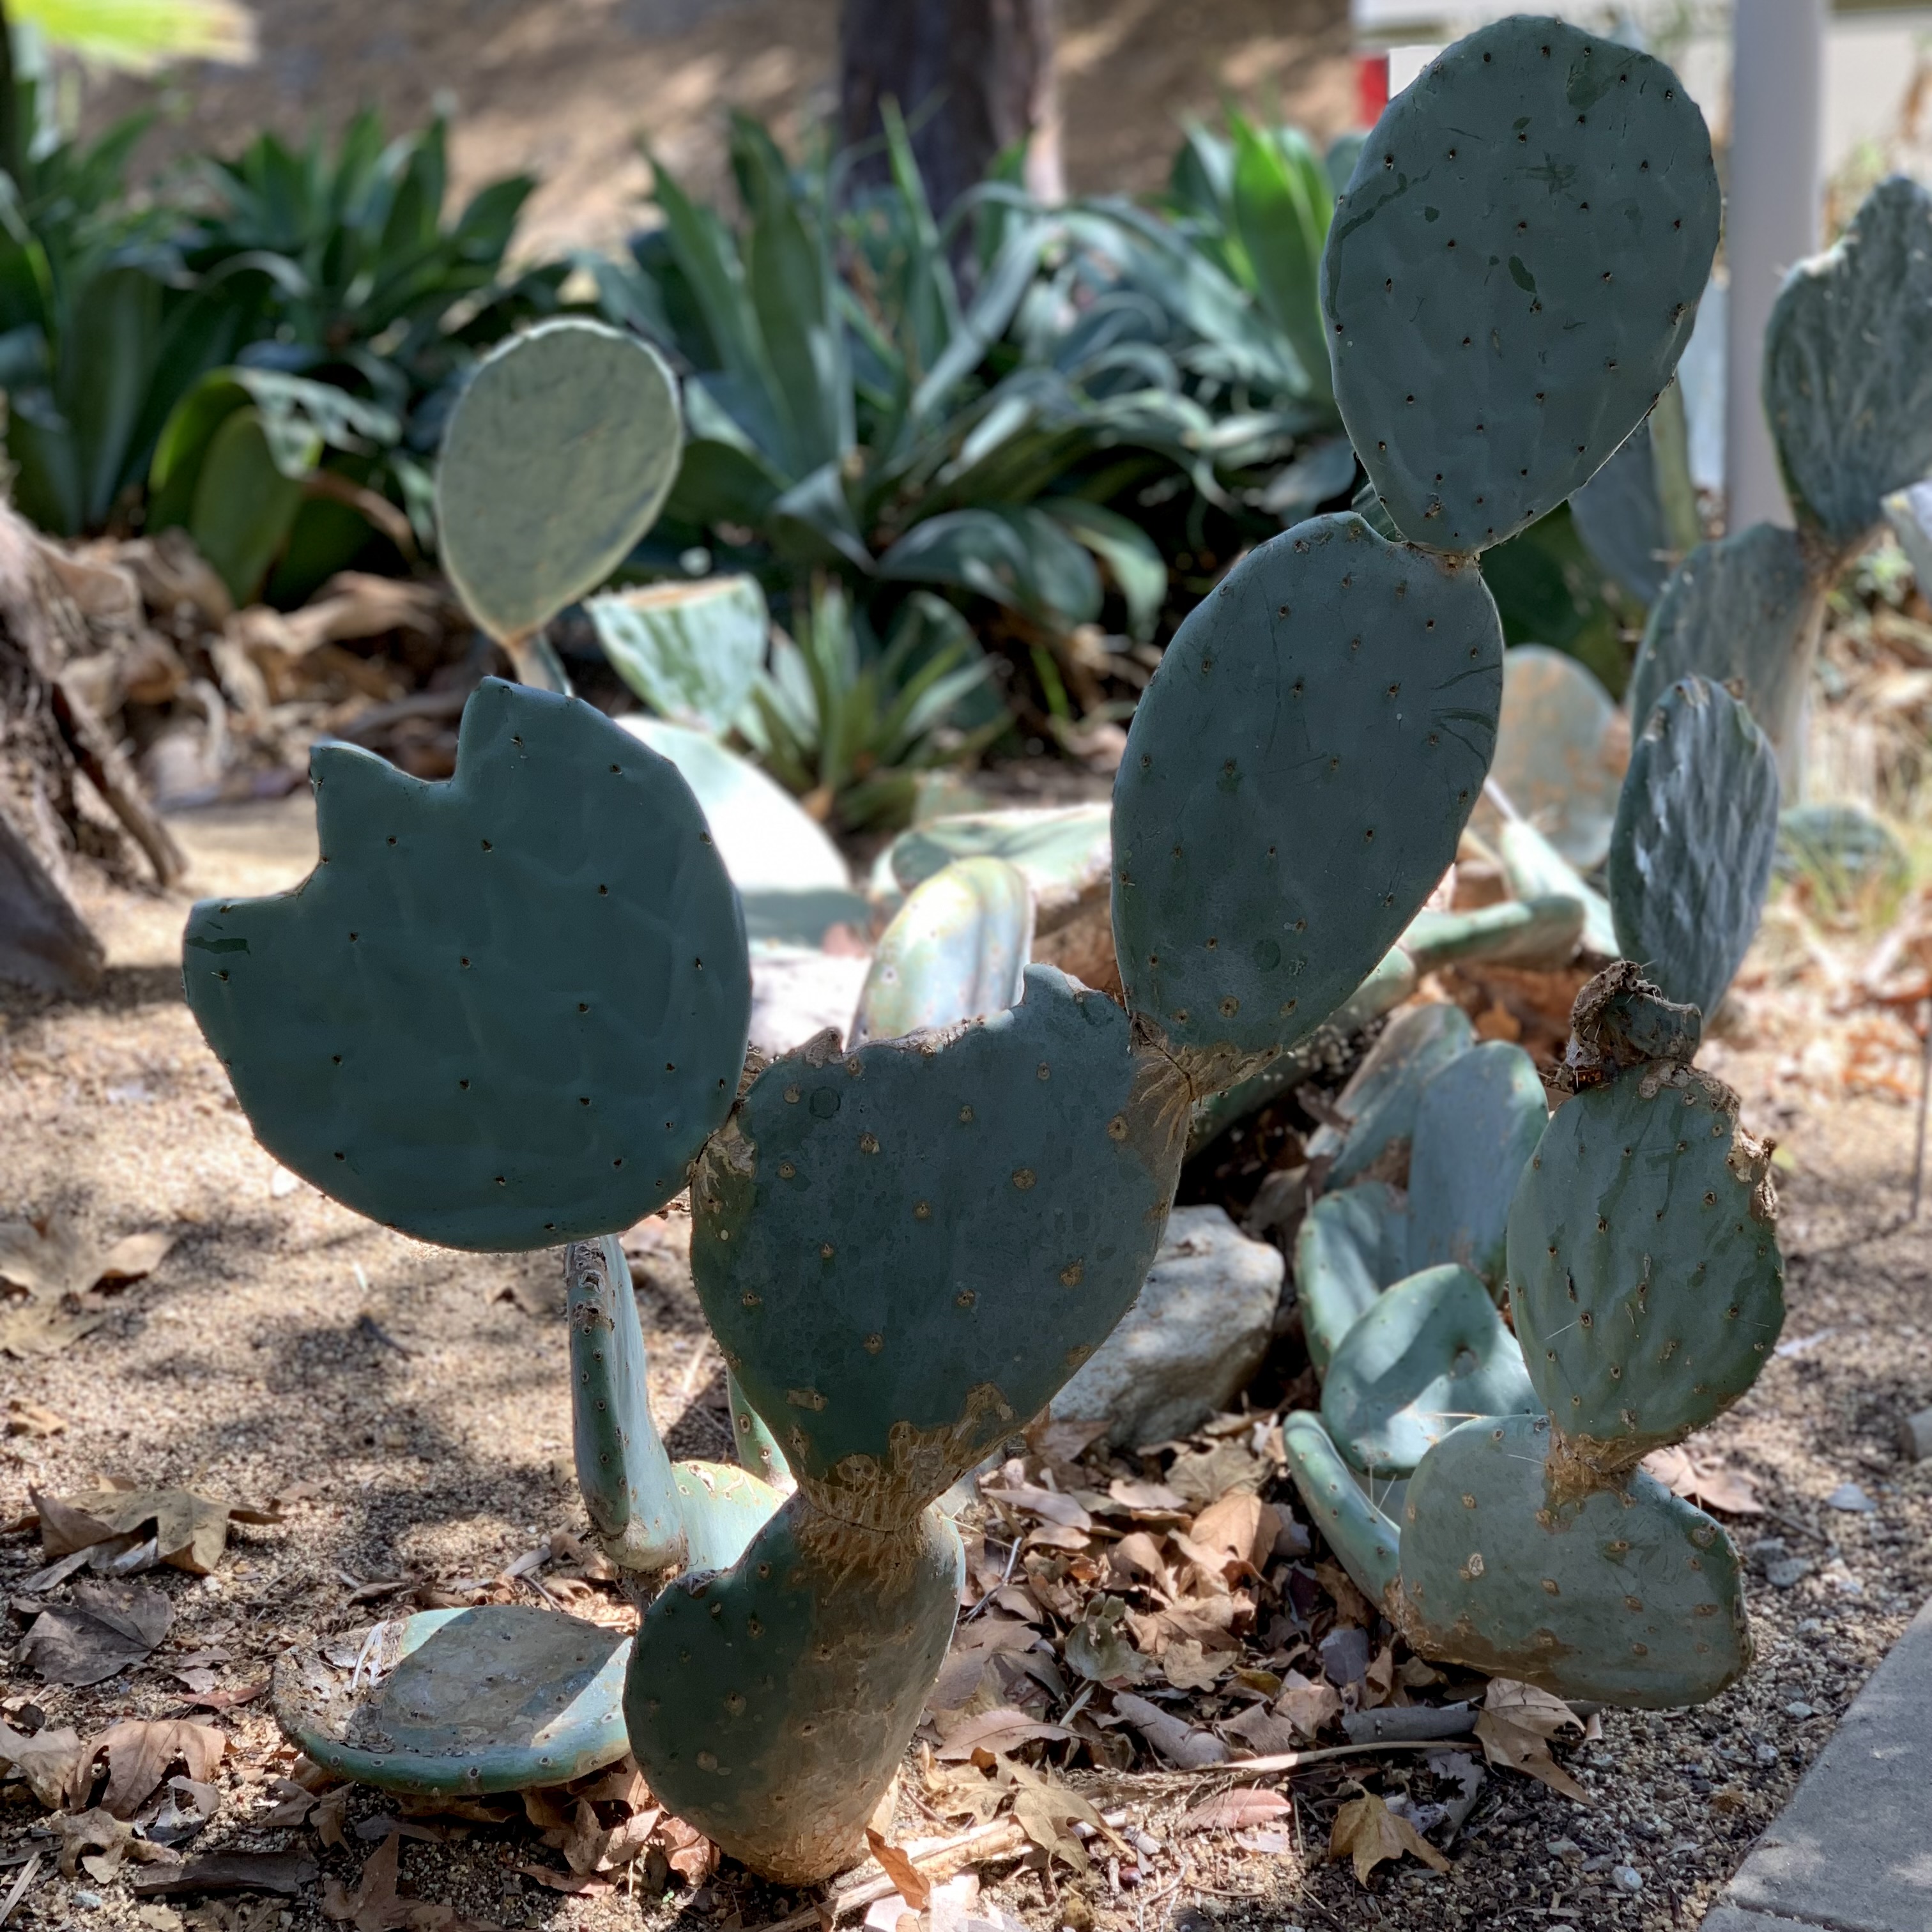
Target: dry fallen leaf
[
  {"x": 41, "y": 1328},
  {"x": 1239, "y": 1530},
  {"x": 1189, "y": 1667},
  {"x": 189, "y": 1531},
  {"x": 106, "y": 1627},
  {"x": 1515, "y": 1726},
  {"x": 1235, "y": 1810},
  {"x": 1307, "y": 1705},
  {"x": 139, "y": 1751},
  {"x": 50, "y": 1258},
  {"x": 1003, "y": 1729},
  {"x": 1367, "y": 1831},
  {"x": 688, "y": 1851},
  {"x": 49, "y": 1762},
  {"x": 29, "y": 1418},
  {"x": 912, "y": 1885},
  {"x": 1047, "y": 1812},
  {"x": 1711, "y": 1484},
  {"x": 96, "y": 1831},
  {"x": 373, "y": 1905}
]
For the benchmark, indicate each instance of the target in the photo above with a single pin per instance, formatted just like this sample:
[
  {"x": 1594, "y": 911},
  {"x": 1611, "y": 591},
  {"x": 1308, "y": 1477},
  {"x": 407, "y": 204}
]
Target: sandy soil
[
  {"x": 566, "y": 88},
  {"x": 422, "y": 1394}
]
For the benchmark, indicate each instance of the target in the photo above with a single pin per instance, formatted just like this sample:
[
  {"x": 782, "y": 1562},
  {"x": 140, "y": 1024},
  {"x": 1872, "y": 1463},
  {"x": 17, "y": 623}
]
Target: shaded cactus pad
[
  {"x": 1848, "y": 366},
  {"x": 557, "y": 459},
  {"x": 1631, "y": 1596},
  {"x": 1295, "y": 781},
  {"x": 1697, "y": 831},
  {"x": 1382, "y": 1094},
  {"x": 1643, "y": 1262},
  {"x": 1561, "y": 751},
  {"x": 1513, "y": 272},
  {"x": 504, "y": 1010},
  {"x": 1369, "y": 1545},
  {"x": 1744, "y": 607},
  {"x": 905, "y": 1251},
  {"x": 1351, "y": 1245},
  {"x": 1431, "y": 1352},
  {"x": 769, "y": 1705}
]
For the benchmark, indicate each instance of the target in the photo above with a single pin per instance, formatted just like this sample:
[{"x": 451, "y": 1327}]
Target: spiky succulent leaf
[
  {"x": 506, "y": 1008},
  {"x": 1512, "y": 273}
]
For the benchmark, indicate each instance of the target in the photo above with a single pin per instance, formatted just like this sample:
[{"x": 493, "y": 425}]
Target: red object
[{"x": 1372, "y": 88}]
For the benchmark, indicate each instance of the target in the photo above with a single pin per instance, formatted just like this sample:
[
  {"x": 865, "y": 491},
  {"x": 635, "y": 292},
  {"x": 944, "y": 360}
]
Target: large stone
[{"x": 1189, "y": 1344}]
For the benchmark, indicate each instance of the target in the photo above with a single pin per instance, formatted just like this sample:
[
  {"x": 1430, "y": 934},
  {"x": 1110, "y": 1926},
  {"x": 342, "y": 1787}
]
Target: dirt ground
[
  {"x": 421, "y": 1395},
  {"x": 567, "y": 88}
]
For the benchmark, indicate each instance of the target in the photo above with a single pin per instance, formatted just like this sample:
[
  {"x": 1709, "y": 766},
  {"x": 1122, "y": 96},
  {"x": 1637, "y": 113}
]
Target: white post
[{"x": 1777, "y": 192}]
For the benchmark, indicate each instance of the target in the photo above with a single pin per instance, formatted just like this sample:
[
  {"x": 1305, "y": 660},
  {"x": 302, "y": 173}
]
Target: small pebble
[
  {"x": 1788, "y": 1571},
  {"x": 1810, "y": 1627},
  {"x": 1627, "y": 1878},
  {"x": 87, "y": 1901},
  {"x": 1800, "y": 1709},
  {"x": 1766, "y": 1754},
  {"x": 1849, "y": 1497},
  {"x": 1563, "y": 1848},
  {"x": 1602, "y": 1862}
]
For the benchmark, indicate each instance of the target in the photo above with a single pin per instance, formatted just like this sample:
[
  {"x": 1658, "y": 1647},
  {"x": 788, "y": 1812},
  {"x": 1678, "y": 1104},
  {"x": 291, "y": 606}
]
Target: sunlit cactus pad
[
  {"x": 1295, "y": 781},
  {"x": 1629, "y": 1596},
  {"x": 1513, "y": 272},
  {"x": 504, "y": 1010}
]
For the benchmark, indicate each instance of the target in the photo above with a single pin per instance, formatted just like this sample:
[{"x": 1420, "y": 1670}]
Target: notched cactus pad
[
  {"x": 1295, "y": 781},
  {"x": 904, "y": 1251},
  {"x": 1367, "y": 1543},
  {"x": 1696, "y": 834},
  {"x": 1745, "y": 607},
  {"x": 1643, "y": 1262},
  {"x": 504, "y": 1010},
  {"x": 1630, "y": 1596},
  {"x": 1848, "y": 366},
  {"x": 769, "y": 1705},
  {"x": 1513, "y": 272},
  {"x": 1431, "y": 1352},
  {"x": 557, "y": 459}
]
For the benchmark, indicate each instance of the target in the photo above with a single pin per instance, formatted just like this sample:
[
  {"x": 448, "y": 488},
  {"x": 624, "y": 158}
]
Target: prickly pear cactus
[
  {"x": 1366, "y": 1541},
  {"x": 1381, "y": 1099},
  {"x": 1352, "y": 1244},
  {"x": 1697, "y": 831},
  {"x": 1513, "y": 271},
  {"x": 1748, "y": 608},
  {"x": 1848, "y": 367},
  {"x": 1341, "y": 691},
  {"x": 399, "y": 1036}
]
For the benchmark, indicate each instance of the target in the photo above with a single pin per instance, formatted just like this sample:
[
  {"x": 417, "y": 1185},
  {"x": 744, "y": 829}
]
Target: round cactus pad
[
  {"x": 905, "y": 1250},
  {"x": 1745, "y": 607},
  {"x": 503, "y": 1697},
  {"x": 1561, "y": 751},
  {"x": 1513, "y": 272},
  {"x": 1695, "y": 835},
  {"x": 1848, "y": 367},
  {"x": 1295, "y": 781},
  {"x": 1365, "y": 1540},
  {"x": 504, "y": 1010},
  {"x": 557, "y": 459},
  {"x": 1631, "y": 1596},
  {"x": 1643, "y": 1262}
]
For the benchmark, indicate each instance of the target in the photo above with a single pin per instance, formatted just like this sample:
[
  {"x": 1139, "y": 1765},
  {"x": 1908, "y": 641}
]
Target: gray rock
[
  {"x": 1192, "y": 1341},
  {"x": 1849, "y": 1497},
  {"x": 1915, "y": 1436},
  {"x": 796, "y": 993},
  {"x": 1789, "y": 1570}
]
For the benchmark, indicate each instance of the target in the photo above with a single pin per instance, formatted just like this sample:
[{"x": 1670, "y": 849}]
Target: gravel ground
[{"x": 421, "y": 1397}]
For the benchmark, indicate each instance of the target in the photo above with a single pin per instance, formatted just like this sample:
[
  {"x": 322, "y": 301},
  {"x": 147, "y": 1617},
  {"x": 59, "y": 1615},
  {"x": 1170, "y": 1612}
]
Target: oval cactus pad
[
  {"x": 905, "y": 1250},
  {"x": 504, "y": 1011},
  {"x": 1643, "y": 1262},
  {"x": 557, "y": 459},
  {"x": 1513, "y": 272},
  {"x": 1295, "y": 781}
]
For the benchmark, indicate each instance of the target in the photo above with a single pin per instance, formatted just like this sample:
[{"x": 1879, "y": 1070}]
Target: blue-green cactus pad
[
  {"x": 1476, "y": 1124},
  {"x": 504, "y": 1010},
  {"x": 1697, "y": 831},
  {"x": 1539, "y": 874},
  {"x": 905, "y": 1251},
  {"x": 955, "y": 950},
  {"x": 1538, "y": 930},
  {"x": 1560, "y": 749},
  {"x": 1848, "y": 366},
  {"x": 1350, "y": 1246},
  {"x": 1643, "y": 1262},
  {"x": 769, "y": 1705},
  {"x": 1379, "y": 1101},
  {"x": 1746, "y": 607},
  {"x": 1513, "y": 272},
  {"x": 558, "y": 456},
  {"x": 1295, "y": 781},
  {"x": 1064, "y": 851},
  {"x": 1367, "y": 1543},
  {"x": 503, "y": 1697},
  {"x": 1628, "y": 1595},
  {"x": 1431, "y": 1352}
]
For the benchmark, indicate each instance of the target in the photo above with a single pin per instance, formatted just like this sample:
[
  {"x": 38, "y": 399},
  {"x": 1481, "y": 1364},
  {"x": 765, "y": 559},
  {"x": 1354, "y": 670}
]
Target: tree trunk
[
  {"x": 49, "y": 743},
  {"x": 971, "y": 77}
]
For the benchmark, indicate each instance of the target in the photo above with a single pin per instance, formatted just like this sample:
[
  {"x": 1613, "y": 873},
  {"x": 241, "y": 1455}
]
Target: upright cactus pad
[
  {"x": 956, "y": 950},
  {"x": 1368, "y": 1544},
  {"x": 1513, "y": 272},
  {"x": 1432, "y": 1351},
  {"x": 557, "y": 459},
  {"x": 506, "y": 1010},
  {"x": 1626, "y": 1595},
  {"x": 770, "y": 1705},
  {"x": 905, "y": 1250},
  {"x": 1696, "y": 834},
  {"x": 1747, "y": 608},
  {"x": 1559, "y": 751},
  {"x": 1643, "y": 1264},
  {"x": 1383, "y": 1093},
  {"x": 1342, "y": 692},
  {"x": 1351, "y": 1246},
  {"x": 1848, "y": 367},
  {"x": 1476, "y": 1124}
]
